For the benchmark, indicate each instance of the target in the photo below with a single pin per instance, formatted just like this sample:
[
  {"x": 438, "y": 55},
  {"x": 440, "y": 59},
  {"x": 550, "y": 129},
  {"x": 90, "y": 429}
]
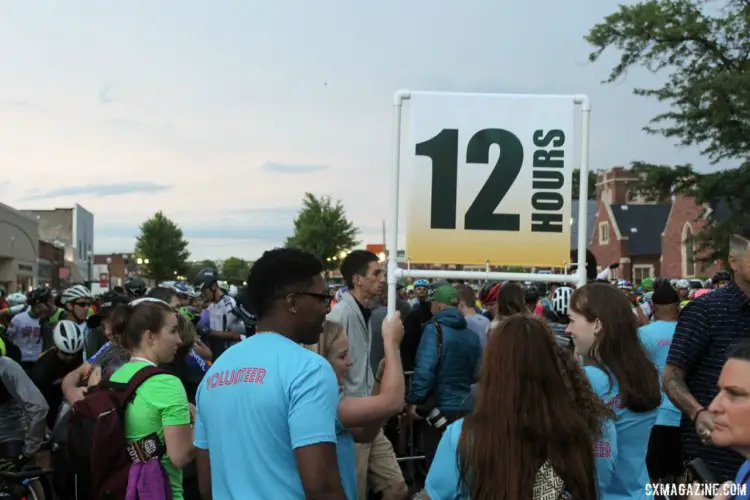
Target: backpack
[{"x": 97, "y": 449}]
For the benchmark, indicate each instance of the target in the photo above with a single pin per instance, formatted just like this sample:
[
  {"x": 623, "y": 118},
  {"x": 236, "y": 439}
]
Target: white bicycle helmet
[
  {"x": 16, "y": 299},
  {"x": 74, "y": 293},
  {"x": 682, "y": 283},
  {"x": 561, "y": 300},
  {"x": 68, "y": 336}
]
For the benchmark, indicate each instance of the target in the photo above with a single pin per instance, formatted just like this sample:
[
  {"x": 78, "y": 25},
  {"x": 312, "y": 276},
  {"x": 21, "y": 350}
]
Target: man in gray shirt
[
  {"x": 23, "y": 412},
  {"x": 474, "y": 321}
]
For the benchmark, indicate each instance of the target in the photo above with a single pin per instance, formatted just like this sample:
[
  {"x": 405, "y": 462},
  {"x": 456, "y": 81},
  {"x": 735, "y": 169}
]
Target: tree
[
  {"x": 321, "y": 228},
  {"x": 161, "y": 242},
  {"x": 577, "y": 183},
  {"x": 704, "y": 53},
  {"x": 707, "y": 59},
  {"x": 235, "y": 270}
]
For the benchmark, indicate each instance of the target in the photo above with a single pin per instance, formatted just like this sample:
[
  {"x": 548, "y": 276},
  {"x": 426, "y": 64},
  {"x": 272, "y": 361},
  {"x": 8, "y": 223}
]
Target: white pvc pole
[
  {"x": 392, "y": 244},
  {"x": 583, "y": 188}
]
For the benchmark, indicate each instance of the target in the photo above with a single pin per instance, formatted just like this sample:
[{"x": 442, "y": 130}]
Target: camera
[{"x": 434, "y": 417}]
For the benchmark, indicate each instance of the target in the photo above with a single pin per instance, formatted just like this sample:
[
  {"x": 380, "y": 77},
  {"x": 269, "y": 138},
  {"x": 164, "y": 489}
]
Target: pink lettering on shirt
[
  {"x": 602, "y": 449},
  {"x": 247, "y": 375}
]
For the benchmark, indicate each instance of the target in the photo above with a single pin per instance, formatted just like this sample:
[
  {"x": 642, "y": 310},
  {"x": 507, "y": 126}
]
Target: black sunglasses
[
  {"x": 82, "y": 304},
  {"x": 323, "y": 297}
]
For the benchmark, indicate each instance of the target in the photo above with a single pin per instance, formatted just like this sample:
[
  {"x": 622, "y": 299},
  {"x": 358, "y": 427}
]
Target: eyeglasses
[
  {"x": 323, "y": 297},
  {"x": 82, "y": 304}
]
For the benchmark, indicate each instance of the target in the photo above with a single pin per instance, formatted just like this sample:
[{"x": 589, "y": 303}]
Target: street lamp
[{"x": 109, "y": 272}]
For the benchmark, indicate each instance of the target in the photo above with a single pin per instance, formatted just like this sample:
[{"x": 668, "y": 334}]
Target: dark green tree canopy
[
  {"x": 577, "y": 183},
  {"x": 235, "y": 270},
  {"x": 321, "y": 228},
  {"x": 703, "y": 50},
  {"x": 161, "y": 242}
]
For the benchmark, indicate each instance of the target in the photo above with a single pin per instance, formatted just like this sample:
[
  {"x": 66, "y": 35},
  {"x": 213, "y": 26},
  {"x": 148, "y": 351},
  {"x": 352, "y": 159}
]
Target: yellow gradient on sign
[
  {"x": 529, "y": 118},
  {"x": 500, "y": 248}
]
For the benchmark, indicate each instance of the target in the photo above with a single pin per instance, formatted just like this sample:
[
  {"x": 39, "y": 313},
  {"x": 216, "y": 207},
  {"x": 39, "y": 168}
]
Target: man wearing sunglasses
[{"x": 77, "y": 300}]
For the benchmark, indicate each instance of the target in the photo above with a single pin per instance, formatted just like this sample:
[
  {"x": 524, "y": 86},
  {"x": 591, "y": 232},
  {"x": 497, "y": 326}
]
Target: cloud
[
  {"x": 100, "y": 190},
  {"x": 125, "y": 123},
  {"x": 105, "y": 94},
  {"x": 292, "y": 168},
  {"x": 18, "y": 103},
  {"x": 206, "y": 231}
]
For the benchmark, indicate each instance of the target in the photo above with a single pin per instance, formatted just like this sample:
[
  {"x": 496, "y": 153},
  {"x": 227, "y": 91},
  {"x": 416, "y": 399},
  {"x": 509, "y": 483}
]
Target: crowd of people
[{"x": 297, "y": 390}]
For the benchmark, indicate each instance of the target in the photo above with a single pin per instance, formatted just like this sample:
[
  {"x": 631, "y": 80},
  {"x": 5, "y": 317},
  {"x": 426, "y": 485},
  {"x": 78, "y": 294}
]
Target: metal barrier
[{"x": 411, "y": 456}]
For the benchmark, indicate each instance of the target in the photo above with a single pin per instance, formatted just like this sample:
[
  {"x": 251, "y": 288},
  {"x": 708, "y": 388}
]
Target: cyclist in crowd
[
  {"x": 147, "y": 328},
  {"x": 55, "y": 363},
  {"x": 289, "y": 394},
  {"x": 225, "y": 327},
  {"x": 23, "y": 413},
  {"x": 605, "y": 332},
  {"x": 543, "y": 446},
  {"x": 25, "y": 329},
  {"x": 109, "y": 357}
]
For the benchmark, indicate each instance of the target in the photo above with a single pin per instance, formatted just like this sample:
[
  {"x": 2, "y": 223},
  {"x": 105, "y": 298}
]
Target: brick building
[{"x": 646, "y": 239}]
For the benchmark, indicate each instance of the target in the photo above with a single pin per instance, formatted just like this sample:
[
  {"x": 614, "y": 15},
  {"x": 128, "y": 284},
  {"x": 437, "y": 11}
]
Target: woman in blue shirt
[
  {"x": 360, "y": 419},
  {"x": 533, "y": 426},
  {"x": 605, "y": 331}
]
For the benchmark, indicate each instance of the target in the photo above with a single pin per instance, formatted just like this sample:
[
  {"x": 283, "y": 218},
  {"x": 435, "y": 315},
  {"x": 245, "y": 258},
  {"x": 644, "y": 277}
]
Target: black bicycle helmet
[
  {"x": 721, "y": 275},
  {"x": 205, "y": 278},
  {"x": 135, "y": 286},
  {"x": 660, "y": 282},
  {"x": 531, "y": 294},
  {"x": 39, "y": 295},
  {"x": 489, "y": 292}
]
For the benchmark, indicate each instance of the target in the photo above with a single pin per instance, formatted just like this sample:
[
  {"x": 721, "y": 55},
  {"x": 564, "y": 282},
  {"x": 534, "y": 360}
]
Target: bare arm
[
  {"x": 365, "y": 416},
  {"x": 319, "y": 472},
  {"x": 203, "y": 467},
  {"x": 202, "y": 350},
  {"x": 179, "y": 441},
  {"x": 71, "y": 384},
  {"x": 678, "y": 392}
]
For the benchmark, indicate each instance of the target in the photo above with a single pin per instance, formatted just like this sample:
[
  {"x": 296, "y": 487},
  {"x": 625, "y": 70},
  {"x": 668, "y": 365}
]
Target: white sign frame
[{"x": 395, "y": 273}]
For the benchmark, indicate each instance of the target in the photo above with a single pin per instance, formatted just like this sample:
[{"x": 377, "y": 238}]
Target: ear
[
  {"x": 597, "y": 326},
  {"x": 291, "y": 303},
  {"x": 149, "y": 336}
]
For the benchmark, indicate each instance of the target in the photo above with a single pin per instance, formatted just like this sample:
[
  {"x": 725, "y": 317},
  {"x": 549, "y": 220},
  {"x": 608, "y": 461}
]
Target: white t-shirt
[
  {"x": 26, "y": 333},
  {"x": 220, "y": 315}
]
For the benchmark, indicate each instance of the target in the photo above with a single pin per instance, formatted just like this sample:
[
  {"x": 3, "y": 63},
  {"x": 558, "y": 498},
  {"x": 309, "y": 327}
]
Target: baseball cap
[
  {"x": 444, "y": 294},
  {"x": 665, "y": 295},
  {"x": 105, "y": 310}
]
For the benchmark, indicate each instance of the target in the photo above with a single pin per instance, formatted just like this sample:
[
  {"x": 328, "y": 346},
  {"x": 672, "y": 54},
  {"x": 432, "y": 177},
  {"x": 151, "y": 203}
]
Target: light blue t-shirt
[
  {"x": 345, "y": 455},
  {"x": 657, "y": 339},
  {"x": 743, "y": 479},
  {"x": 629, "y": 444},
  {"x": 443, "y": 478},
  {"x": 259, "y": 401}
]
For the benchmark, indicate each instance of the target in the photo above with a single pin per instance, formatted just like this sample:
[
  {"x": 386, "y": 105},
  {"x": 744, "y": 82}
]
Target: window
[
  {"x": 603, "y": 233},
  {"x": 688, "y": 252},
  {"x": 642, "y": 271}
]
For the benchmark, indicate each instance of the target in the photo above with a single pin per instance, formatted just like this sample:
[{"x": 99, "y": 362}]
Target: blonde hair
[{"x": 331, "y": 333}]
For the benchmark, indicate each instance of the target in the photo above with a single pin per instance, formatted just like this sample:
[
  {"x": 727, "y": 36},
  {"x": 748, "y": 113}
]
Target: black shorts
[{"x": 664, "y": 458}]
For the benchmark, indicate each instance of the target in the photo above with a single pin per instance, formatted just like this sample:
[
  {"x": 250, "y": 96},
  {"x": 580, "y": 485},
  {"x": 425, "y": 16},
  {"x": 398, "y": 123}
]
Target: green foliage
[
  {"x": 577, "y": 183},
  {"x": 235, "y": 270},
  {"x": 321, "y": 228},
  {"x": 703, "y": 49},
  {"x": 161, "y": 242}
]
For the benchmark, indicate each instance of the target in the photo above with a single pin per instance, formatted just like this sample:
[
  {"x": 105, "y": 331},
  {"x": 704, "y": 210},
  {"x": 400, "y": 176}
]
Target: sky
[{"x": 223, "y": 114}]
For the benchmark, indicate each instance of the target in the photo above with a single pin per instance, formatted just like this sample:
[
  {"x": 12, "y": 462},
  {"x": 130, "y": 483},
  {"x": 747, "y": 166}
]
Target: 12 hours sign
[{"x": 489, "y": 178}]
